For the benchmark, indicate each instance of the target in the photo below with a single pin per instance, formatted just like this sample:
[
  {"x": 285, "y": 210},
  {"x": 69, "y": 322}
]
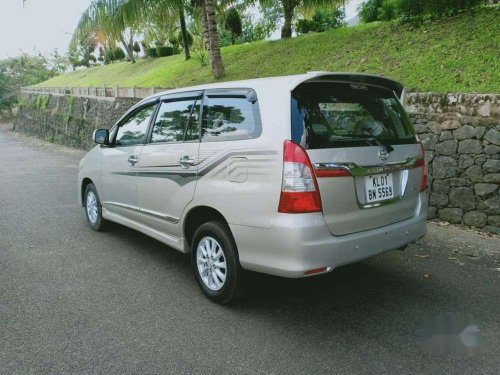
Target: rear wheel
[
  {"x": 93, "y": 209},
  {"x": 215, "y": 262}
]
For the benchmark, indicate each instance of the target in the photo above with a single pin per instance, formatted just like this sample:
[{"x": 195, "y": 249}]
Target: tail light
[
  {"x": 299, "y": 190},
  {"x": 423, "y": 164}
]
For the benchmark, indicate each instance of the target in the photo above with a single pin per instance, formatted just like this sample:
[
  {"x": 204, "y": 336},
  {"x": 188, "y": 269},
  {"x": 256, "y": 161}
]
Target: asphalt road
[{"x": 76, "y": 301}]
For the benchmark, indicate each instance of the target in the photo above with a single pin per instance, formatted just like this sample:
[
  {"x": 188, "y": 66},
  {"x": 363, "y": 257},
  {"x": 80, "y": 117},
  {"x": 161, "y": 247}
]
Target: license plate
[{"x": 379, "y": 187}]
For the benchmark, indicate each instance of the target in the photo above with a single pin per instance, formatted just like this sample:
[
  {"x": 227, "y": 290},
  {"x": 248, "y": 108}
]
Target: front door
[
  {"x": 168, "y": 168},
  {"x": 119, "y": 163}
]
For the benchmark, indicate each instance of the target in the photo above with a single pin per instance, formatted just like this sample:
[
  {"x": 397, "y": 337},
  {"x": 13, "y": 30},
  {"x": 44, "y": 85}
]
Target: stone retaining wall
[
  {"x": 68, "y": 120},
  {"x": 461, "y": 134}
]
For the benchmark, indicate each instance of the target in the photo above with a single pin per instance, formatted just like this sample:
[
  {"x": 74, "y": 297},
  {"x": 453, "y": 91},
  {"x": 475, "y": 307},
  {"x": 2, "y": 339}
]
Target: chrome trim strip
[
  {"x": 357, "y": 170},
  {"x": 380, "y": 204},
  {"x": 156, "y": 215},
  {"x": 360, "y": 171},
  {"x": 169, "y": 219}
]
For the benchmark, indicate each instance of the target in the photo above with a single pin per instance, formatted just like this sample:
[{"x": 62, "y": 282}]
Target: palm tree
[
  {"x": 142, "y": 12},
  {"x": 289, "y": 7},
  {"x": 105, "y": 20}
]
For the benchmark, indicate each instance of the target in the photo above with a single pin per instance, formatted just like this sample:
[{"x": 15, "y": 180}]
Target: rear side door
[
  {"x": 119, "y": 163},
  {"x": 169, "y": 162},
  {"x": 368, "y": 161}
]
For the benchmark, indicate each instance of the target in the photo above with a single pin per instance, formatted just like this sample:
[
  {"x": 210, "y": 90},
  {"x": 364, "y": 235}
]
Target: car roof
[{"x": 288, "y": 83}]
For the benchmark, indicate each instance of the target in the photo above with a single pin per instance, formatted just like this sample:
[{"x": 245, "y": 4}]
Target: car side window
[
  {"x": 134, "y": 130},
  {"x": 177, "y": 121},
  {"x": 230, "y": 117}
]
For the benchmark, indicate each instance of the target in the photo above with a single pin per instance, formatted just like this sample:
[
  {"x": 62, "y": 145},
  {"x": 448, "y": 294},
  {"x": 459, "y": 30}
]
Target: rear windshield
[{"x": 330, "y": 115}]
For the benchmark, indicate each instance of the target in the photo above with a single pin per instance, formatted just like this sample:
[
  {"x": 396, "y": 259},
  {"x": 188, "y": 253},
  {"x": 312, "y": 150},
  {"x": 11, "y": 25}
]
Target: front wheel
[
  {"x": 215, "y": 262},
  {"x": 93, "y": 209}
]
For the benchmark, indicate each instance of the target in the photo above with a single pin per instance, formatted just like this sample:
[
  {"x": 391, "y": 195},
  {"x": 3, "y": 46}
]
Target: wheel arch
[
  {"x": 85, "y": 182},
  {"x": 197, "y": 216}
]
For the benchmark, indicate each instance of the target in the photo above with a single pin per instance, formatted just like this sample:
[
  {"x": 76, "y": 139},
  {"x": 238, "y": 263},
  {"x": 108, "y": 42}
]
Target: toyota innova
[{"x": 291, "y": 176}]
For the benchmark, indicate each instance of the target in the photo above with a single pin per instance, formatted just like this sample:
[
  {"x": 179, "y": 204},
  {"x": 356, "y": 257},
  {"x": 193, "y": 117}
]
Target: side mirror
[{"x": 101, "y": 136}]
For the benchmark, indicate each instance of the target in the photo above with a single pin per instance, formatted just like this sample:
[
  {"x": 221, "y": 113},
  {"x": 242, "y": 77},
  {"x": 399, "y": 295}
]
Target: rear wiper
[{"x": 372, "y": 141}]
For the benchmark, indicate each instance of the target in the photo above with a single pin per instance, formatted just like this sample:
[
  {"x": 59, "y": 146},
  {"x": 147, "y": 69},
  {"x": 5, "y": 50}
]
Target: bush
[
  {"x": 232, "y": 23},
  {"x": 368, "y": 10},
  {"x": 388, "y": 11},
  {"x": 418, "y": 9},
  {"x": 190, "y": 39},
  {"x": 321, "y": 21},
  {"x": 151, "y": 52},
  {"x": 162, "y": 51},
  {"x": 119, "y": 54},
  {"x": 378, "y": 10},
  {"x": 412, "y": 10},
  {"x": 109, "y": 56},
  {"x": 136, "y": 47},
  {"x": 303, "y": 26}
]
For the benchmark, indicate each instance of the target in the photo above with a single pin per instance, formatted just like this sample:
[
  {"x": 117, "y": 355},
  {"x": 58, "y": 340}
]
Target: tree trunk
[
  {"x": 213, "y": 39},
  {"x": 130, "y": 52},
  {"x": 288, "y": 8},
  {"x": 185, "y": 42},
  {"x": 206, "y": 39}
]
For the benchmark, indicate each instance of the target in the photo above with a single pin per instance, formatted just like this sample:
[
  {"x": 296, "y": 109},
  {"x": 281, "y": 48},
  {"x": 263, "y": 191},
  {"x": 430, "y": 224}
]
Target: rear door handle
[
  {"x": 133, "y": 159},
  {"x": 186, "y": 162}
]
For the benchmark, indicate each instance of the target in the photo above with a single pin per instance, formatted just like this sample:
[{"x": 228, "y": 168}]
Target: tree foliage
[
  {"x": 26, "y": 70},
  {"x": 413, "y": 10},
  {"x": 232, "y": 23},
  {"x": 322, "y": 20}
]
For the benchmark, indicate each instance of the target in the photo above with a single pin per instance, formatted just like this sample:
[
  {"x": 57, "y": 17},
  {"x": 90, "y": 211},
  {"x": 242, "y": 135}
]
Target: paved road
[{"x": 76, "y": 301}]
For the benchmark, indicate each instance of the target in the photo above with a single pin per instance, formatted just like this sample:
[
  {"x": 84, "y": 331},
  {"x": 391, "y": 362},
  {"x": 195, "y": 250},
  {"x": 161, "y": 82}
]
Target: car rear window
[{"x": 331, "y": 115}]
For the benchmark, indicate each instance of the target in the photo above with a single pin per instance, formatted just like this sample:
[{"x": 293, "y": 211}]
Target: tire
[
  {"x": 209, "y": 240},
  {"x": 93, "y": 208}
]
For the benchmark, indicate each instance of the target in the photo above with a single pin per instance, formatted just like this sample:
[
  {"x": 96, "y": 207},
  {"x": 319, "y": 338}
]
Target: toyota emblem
[{"x": 383, "y": 154}]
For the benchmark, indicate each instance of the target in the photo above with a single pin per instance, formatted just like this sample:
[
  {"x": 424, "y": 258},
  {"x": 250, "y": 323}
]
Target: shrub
[
  {"x": 109, "y": 56},
  {"x": 378, "y": 10},
  {"x": 190, "y": 39},
  {"x": 303, "y": 26},
  {"x": 418, "y": 9},
  {"x": 232, "y": 23},
  {"x": 388, "y": 11},
  {"x": 321, "y": 21},
  {"x": 411, "y": 9},
  {"x": 151, "y": 52},
  {"x": 119, "y": 54},
  {"x": 162, "y": 51},
  {"x": 368, "y": 10},
  {"x": 136, "y": 47}
]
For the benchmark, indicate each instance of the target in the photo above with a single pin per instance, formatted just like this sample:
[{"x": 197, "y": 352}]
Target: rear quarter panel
[{"x": 245, "y": 187}]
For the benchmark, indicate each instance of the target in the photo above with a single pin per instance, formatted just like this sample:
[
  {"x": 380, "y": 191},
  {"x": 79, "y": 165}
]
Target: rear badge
[{"x": 383, "y": 154}]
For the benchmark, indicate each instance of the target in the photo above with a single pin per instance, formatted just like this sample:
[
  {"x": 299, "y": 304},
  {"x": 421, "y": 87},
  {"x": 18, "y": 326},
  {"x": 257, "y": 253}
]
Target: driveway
[{"x": 76, "y": 301}]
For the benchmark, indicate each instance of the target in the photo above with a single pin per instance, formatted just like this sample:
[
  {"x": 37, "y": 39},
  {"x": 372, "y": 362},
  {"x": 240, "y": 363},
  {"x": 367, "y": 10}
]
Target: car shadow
[{"x": 355, "y": 288}]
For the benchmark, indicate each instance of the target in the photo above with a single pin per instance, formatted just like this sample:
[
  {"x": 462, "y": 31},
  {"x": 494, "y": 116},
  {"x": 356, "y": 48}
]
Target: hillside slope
[{"x": 461, "y": 54}]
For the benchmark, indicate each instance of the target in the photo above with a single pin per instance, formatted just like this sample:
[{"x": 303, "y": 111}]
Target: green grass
[{"x": 460, "y": 54}]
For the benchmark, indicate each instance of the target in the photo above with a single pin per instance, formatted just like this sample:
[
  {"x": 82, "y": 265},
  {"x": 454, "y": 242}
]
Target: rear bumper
[{"x": 298, "y": 243}]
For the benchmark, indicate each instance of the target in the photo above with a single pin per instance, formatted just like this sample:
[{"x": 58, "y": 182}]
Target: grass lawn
[{"x": 461, "y": 54}]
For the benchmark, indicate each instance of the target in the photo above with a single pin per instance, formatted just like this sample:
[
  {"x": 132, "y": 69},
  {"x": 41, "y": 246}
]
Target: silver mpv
[{"x": 291, "y": 176}]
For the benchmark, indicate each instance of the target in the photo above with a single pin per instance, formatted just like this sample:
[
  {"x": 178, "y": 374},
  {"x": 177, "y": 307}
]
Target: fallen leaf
[
  {"x": 422, "y": 255},
  {"x": 497, "y": 269},
  {"x": 453, "y": 258},
  {"x": 470, "y": 255},
  {"x": 426, "y": 275}
]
